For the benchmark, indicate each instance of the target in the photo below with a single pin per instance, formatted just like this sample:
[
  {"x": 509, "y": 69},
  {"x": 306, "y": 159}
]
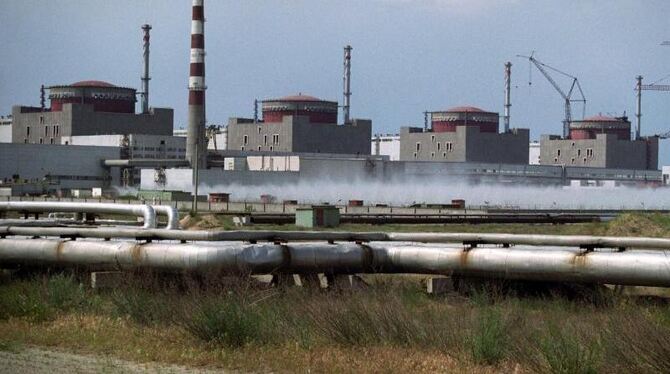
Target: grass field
[{"x": 389, "y": 326}]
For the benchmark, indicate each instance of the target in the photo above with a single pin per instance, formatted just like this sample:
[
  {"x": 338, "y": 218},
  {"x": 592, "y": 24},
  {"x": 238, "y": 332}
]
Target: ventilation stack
[
  {"x": 638, "y": 88},
  {"x": 346, "y": 108},
  {"x": 508, "y": 100},
  {"x": 196, "y": 150},
  {"x": 145, "y": 76}
]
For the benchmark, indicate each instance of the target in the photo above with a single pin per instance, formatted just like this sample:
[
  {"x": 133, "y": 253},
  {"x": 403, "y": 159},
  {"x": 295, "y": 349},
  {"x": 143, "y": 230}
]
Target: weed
[
  {"x": 488, "y": 340},
  {"x": 565, "y": 353}
]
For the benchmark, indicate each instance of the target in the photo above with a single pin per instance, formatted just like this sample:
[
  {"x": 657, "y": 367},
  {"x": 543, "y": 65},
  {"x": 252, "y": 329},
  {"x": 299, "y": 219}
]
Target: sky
[{"x": 409, "y": 55}]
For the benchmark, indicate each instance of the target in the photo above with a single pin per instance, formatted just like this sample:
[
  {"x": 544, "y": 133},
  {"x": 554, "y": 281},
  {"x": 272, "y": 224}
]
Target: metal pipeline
[
  {"x": 579, "y": 241},
  {"x": 172, "y": 216},
  {"x": 145, "y": 211},
  {"x": 632, "y": 267}
]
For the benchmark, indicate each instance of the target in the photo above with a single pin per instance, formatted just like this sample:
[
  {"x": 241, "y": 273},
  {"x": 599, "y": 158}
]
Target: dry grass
[{"x": 392, "y": 326}]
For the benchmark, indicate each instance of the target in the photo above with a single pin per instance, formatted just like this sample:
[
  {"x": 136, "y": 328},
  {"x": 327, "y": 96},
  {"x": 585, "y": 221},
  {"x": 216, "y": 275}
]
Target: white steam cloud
[{"x": 436, "y": 192}]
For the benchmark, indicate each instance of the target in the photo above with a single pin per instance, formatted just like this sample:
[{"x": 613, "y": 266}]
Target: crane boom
[{"x": 567, "y": 97}]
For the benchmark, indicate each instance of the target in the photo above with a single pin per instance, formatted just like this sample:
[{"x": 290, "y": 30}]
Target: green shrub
[
  {"x": 228, "y": 322},
  {"x": 565, "y": 353},
  {"x": 488, "y": 340}
]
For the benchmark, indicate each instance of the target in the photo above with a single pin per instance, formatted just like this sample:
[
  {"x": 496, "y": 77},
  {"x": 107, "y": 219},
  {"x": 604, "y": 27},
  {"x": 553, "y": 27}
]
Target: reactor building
[
  {"x": 464, "y": 134},
  {"x": 600, "y": 141},
  {"x": 87, "y": 108},
  {"x": 300, "y": 124}
]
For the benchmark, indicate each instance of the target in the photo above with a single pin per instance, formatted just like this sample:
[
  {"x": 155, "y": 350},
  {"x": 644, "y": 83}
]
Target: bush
[
  {"x": 488, "y": 340},
  {"x": 564, "y": 353},
  {"x": 228, "y": 322}
]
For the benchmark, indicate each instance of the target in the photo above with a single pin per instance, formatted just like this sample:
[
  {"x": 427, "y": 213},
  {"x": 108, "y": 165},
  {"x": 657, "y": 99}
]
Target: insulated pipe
[
  {"x": 172, "y": 216},
  {"x": 471, "y": 239},
  {"x": 145, "y": 211},
  {"x": 634, "y": 267}
]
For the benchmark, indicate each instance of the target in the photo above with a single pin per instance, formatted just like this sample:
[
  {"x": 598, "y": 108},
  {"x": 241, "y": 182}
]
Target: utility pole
[{"x": 196, "y": 181}]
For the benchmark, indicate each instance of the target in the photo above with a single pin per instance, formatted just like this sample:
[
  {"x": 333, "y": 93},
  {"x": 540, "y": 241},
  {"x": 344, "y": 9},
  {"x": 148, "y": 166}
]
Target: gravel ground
[{"x": 41, "y": 361}]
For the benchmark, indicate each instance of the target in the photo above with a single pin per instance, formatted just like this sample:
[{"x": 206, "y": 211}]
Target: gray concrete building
[
  {"x": 39, "y": 168},
  {"x": 87, "y": 108},
  {"x": 602, "y": 142},
  {"x": 464, "y": 134},
  {"x": 301, "y": 124}
]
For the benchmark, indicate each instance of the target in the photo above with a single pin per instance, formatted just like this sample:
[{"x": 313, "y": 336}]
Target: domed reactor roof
[
  {"x": 590, "y": 127},
  {"x": 448, "y": 120},
  {"x": 104, "y": 96},
  {"x": 317, "y": 110}
]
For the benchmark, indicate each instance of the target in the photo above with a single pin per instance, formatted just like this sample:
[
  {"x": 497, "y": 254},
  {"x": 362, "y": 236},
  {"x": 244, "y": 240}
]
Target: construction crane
[
  {"x": 567, "y": 97},
  {"x": 639, "y": 87}
]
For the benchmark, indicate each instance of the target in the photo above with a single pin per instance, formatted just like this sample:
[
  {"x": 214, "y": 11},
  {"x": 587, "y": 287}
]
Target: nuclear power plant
[{"x": 298, "y": 138}]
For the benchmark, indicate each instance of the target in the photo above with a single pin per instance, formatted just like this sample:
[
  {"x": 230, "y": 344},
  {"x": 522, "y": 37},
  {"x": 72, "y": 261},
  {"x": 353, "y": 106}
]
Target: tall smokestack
[
  {"x": 508, "y": 100},
  {"x": 196, "y": 151},
  {"x": 145, "y": 76},
  {"x": 346, "y": 108},
  {"x": 639, "y": 107}
]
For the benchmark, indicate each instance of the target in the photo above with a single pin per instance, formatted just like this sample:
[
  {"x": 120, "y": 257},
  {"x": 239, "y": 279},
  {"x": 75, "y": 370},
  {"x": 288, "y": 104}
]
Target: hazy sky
[{"x": 409, "y": 55}]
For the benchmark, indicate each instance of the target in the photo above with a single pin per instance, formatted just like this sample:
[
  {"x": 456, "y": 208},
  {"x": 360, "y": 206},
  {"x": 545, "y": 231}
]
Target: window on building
[
  {"x": 46, "y": 131},
  {"x": 265, "y": 140},
  {"x": 579, "y": 152},
  {"x": 275, "y": 139},
  {"x": 259, "y": 147},
  {"x": 245, "y": 140},
  {"x": 584, "y": 159},
  {"x": 41, "y": 141},
  {"x": 242, "y": 148},
  {"x": 27, "y": 130},
  {"x": 25, "y": 140},
  {"x": 57, "y": 130},
  {"x": 558, "y": 152},
  {"x": 41, "y": 120},
  {"x": 449, "y": 146},
  {"x": 272, "y": 148},
  {"x": 444, "y": 154},
  {"x": 67, "y": 142},
  {"x": 432, "y": 138},
  {"x": 432, "y": 155},
  {"x": 259, "y": 129},
  {"x": 414, "y": 154},
  {"x": 438, "y": 146},
  {"x": 51, "y": 140},
  {"x": 573, "y": 160},
  {"x": 573, "y": 144},
  {"x": 555, "y": 159},
  {"x": 418, "y": 146}
]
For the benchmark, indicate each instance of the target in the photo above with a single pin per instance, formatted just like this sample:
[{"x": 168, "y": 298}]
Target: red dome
[
  {"x": 464, "y": 109},
  {"x": 299, "y": 97},
  {"x": 601, "y": 118},
  {"x": 92, "y": 83}
]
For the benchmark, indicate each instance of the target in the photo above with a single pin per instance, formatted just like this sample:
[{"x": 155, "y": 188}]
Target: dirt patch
[
  {"x": 38, "y": 361},
  {"x": 637, "y": 225},
  {"x": 201, "y": 222}
]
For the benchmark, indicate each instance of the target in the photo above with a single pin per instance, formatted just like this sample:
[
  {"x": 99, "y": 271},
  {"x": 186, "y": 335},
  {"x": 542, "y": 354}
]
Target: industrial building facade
[
  {"x": 464, "y": 134},
  {"x": 301, "y": 124},
  {"x": 87, "y": 108},
  {"x": 600, "y": 141}
]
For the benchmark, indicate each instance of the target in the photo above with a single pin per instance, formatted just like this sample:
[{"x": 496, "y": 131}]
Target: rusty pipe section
[
  {"x": 633, "y": 267},
  {"x": 289, "y": 236},
  {"x": 145, "y": 211}
]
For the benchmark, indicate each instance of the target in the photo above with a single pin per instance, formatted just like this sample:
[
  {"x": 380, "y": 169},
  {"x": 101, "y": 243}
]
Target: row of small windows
[
  {"x": 448, "y": 146},
  {"x": 275, "y": 140},
  {"x": 54, "y": 130}
]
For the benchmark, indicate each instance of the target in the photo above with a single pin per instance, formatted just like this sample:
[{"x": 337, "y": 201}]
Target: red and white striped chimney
[{"x": 196, "y": 148}]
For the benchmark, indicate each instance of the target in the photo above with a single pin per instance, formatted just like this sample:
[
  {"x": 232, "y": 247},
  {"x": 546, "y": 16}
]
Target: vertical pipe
[
  {"x": 639, "y": 107},
  {"x": 145, "y": 76},
  {"x": 346, "y": 108},
  {"x": 256, "y": 111},
  {"x": 508, "y": 101},
  {"x": 196, "y": 86}
]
